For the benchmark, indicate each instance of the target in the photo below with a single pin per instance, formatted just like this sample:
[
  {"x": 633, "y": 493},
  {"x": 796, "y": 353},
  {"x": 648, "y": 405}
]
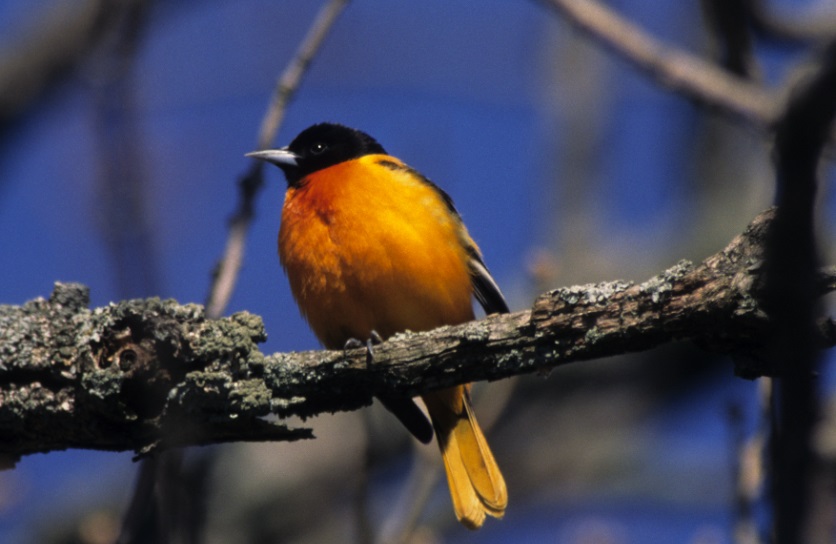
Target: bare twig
[
  {"x": 689, "y": 75},
  {"x": 226, "y": 273},
  {"x": 292, "y": 76}
]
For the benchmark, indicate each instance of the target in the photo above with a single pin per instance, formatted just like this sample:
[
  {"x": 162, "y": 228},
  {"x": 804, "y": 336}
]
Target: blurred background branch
[
  {"x": 682, "y": 72},
  {"x": 56, "y": 43},
  {"x": 729, "y": 23},
  {"x": 251, "y": 182}
]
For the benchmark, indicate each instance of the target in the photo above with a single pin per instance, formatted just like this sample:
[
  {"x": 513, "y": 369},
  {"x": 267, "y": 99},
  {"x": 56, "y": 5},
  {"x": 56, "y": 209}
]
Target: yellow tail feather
[{"x": 476, "y": 484}]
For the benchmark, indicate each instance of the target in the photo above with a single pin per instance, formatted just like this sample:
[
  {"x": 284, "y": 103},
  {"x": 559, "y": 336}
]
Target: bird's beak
[{"x": 279, "y": 157}]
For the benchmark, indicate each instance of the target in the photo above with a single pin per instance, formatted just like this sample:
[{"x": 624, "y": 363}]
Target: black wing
[{"x": 485, "y": 289}]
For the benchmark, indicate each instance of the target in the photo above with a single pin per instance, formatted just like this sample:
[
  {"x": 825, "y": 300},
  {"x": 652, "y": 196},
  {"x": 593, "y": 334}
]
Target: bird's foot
[{"x": 374, "y": 339}]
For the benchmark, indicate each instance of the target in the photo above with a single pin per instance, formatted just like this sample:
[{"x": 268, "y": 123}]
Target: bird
[{"x": 371, "y": 248}]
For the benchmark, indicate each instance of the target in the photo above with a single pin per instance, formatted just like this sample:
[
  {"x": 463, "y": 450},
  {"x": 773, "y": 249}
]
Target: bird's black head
[{"x": 318, "y": 147}]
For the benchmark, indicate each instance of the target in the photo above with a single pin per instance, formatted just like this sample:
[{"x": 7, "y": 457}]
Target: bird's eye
[{"x": 318, "y": 148}]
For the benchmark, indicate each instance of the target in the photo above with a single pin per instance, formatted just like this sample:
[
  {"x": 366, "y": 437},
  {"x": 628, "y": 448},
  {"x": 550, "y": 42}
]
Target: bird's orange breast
[{"x": 373, "y": 247}]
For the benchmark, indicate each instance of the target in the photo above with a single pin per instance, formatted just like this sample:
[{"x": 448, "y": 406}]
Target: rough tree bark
[{"x": 145, "y": 375}]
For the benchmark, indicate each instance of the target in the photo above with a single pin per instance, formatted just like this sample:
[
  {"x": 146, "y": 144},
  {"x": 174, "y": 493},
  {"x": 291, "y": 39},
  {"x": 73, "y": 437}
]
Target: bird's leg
[
  {"x": 404, "y": 408},
  {"x": 373, "y": 340}
]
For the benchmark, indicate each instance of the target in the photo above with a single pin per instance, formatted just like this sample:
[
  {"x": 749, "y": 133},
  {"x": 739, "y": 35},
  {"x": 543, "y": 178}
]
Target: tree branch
[
  {"x": 676, "y": 69},
  {"x": 148, "y": 374},
  {"x": 51, "y": 47}
]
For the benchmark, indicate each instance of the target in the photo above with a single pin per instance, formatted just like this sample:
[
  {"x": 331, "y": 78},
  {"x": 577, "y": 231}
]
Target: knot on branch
[{"x": 134, "y": 352}]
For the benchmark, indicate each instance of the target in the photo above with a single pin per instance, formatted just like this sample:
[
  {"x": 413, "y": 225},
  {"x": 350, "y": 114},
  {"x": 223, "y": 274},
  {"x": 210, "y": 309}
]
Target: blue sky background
[{"x": 548, "y": 146}]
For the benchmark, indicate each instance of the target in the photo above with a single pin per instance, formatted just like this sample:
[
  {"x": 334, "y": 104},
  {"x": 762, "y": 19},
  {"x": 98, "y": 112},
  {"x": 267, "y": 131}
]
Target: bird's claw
[{"x": 373, "y": 340}]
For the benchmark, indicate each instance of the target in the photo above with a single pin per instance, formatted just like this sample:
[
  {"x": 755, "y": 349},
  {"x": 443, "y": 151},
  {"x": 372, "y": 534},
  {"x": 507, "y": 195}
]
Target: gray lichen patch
[
  {"x": 73, "y": 297},
  {"x": 39, "y": 336},
  {"x": 591, "y": 293},
  {"x": 661, "y": 285},
  {"x": 250, "y": 398}
]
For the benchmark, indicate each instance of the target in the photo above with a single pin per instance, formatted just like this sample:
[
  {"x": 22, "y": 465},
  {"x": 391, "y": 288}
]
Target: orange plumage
[{"x": 368, "y": 244}]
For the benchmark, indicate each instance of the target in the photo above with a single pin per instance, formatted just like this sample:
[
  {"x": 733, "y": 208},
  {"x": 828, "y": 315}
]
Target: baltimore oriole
[{"x": 371, "y": 247}]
